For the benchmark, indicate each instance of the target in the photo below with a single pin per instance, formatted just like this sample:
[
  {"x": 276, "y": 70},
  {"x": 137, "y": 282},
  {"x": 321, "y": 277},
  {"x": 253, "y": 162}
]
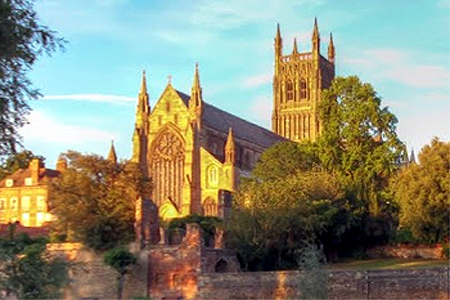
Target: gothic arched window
[
  {"x": 303, "y": 89},
  {"x": 213, "y": 176},
  {"x": 167, "y": 168},
  {"x": 289, "y": 91}
]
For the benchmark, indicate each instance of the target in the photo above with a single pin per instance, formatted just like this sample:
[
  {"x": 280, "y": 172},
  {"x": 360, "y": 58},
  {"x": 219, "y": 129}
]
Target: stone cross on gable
[{"x": 169, "y": 78}]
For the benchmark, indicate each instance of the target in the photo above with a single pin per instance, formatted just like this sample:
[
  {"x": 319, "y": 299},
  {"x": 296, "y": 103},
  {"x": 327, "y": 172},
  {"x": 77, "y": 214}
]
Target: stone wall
[
  {"x": 407, "y": 251},
  {"x": 343, "y": 284},
  {"x": 91, "y": 278},
  {"x": 191, "y": 271}
]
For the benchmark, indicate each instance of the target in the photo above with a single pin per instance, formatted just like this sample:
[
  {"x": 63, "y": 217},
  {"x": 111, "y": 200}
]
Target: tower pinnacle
[
  {"x": 143, "y": 84},
  {"x": 278, "y": 42},
  {"x": 294, "y": 49},
  {"x": 112, "y": 157},
  {"x": 196, "y": 90},
  {"x": 331, "y": 51},
  {"x": 230, "y": 147}
]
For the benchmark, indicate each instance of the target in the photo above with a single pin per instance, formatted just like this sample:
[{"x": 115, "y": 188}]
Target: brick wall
[{"x": 343, "y": 284}]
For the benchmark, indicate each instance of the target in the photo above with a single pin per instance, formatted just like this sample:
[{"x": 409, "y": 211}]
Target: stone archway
[{"x": 221, "y": 266}]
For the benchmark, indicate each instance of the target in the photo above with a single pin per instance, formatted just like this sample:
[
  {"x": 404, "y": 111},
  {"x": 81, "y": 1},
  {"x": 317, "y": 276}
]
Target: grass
[{"x": 389, "y": 264}]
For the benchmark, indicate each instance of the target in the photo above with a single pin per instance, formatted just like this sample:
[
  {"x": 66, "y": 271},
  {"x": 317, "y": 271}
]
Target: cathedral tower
[{"x": 299, "y": 79}]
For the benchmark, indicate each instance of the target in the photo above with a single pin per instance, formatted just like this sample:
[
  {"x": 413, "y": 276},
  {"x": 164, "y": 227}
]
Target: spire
[
  {"x": 316, "y": 37},
  {"x": 196, "y": 90},
  {"x": 331, "y": 52},
  {"x": 196, "y": 84},
  {"x": 230, "y": 147},
  {"x": 278, "y": 42},
  {"x": 112, "y": 153},
  {"x": 143, "y": 105},
  {"x": 143, "y": 84},
  {"x": 294, "y": 50},
  {"x": 412, "y": 158},
  {"x": 315, "y": 30}
]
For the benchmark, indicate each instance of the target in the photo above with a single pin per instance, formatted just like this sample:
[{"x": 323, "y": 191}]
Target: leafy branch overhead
[{"x": 22, "y": 41}]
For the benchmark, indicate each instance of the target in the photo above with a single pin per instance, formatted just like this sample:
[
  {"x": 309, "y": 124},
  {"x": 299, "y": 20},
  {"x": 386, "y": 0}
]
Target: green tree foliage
[
  {"x": 27, "y": 271},
  {"x": 17, "y": 161},
  {"x": 285, "y": 158},
  {"x": 120, "y": 259},
  {"x": 422, "y": 192},
  {"x": 22, "y": 41},
  {"x": 359, "y": 141},
  {"x": 94, "y": 200},
  {"x": 273, "y": 219}
]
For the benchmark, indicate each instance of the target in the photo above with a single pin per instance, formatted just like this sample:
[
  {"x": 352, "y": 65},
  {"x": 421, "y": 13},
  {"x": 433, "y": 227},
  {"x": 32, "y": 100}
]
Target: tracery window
[
  {"x": 167, "y": 166},
  {"x": 303, "y": 89},
  {"x": 289, "y": 91}
]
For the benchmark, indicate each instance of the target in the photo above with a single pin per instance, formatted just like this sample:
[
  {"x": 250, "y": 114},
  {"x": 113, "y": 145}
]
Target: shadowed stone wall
[{"x": 343, "y": 284}]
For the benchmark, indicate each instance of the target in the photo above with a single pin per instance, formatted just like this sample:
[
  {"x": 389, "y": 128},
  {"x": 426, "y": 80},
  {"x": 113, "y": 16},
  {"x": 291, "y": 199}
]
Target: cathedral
[{"x": 195, "y": 153}]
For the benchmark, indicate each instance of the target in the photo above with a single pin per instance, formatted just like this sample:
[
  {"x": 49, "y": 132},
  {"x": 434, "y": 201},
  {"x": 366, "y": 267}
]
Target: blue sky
[{"x": 90, "y": 91}]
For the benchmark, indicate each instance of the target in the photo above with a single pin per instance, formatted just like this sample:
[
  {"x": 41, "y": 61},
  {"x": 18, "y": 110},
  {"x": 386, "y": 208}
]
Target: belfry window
[
  {"x": 303, "y": 89},
  {"x": 289, "y": 91}
]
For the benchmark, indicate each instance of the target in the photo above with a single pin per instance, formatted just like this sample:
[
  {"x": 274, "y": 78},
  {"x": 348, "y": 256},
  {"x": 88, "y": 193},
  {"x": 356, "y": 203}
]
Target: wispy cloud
[
  {"x": 113, "y": 99},
  {"x": 261, "y": 110},
  {"x": 257, "y": 80},
  {"x": 44, "y": 128},
  {"x": 402, "y": 67}
]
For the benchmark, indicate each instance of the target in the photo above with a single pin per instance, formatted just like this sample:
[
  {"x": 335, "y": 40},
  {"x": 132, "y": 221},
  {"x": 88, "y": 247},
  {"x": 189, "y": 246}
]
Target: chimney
[{"x": 34, "y": 167}]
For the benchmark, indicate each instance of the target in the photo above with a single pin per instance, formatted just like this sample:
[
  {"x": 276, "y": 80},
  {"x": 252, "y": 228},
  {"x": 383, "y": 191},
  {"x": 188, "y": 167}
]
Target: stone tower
[{"x": 298, "y": 81}]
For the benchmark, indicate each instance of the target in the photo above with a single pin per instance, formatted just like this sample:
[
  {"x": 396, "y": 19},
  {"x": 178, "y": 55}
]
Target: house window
[
  {"x": 159, "y": 120},
  {"x": 40, "y": 218},
  {"x": 28, "y": 181},
  {"x": 2, "y": 204},
  {"x": 25, "y": 219},
  {"x": 13, "y": 203},
  {"x": 303, "y": 89},
  {"x": 289, "y": 91},
  {"x": 9, "y": 182},
  {"x": 25, "y": 204},
  {"x": 41, "y": 205}
]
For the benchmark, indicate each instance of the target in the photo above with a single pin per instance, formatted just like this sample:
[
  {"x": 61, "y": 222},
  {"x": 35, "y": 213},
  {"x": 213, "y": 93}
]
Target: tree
[
  {"x": 422, "y": 192},
  {"x": 17, "y": 161},
  {"x": 27, "y": 271},
  {"x": 94, "y": 200},
  {"x": 359, "y": 140},
  {"x": 360, "y": 145},
  {"x": 22, "y": 41},
  {"x": 276, "y": 214},
  {"x": 120, "y": 259}
]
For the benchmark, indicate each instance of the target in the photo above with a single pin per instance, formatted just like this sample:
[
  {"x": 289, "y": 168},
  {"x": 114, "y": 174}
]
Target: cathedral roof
[{"x": 244, "y": 130}]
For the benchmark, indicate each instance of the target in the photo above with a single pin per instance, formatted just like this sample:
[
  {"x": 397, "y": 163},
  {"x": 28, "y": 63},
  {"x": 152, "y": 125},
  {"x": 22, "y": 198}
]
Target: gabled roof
[
  {"x": 20, "y": 175},
  {"x": 244, "y": 130}
]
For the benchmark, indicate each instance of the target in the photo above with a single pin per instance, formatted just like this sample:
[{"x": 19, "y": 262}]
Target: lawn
[{"x": 389, "y": 263}]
